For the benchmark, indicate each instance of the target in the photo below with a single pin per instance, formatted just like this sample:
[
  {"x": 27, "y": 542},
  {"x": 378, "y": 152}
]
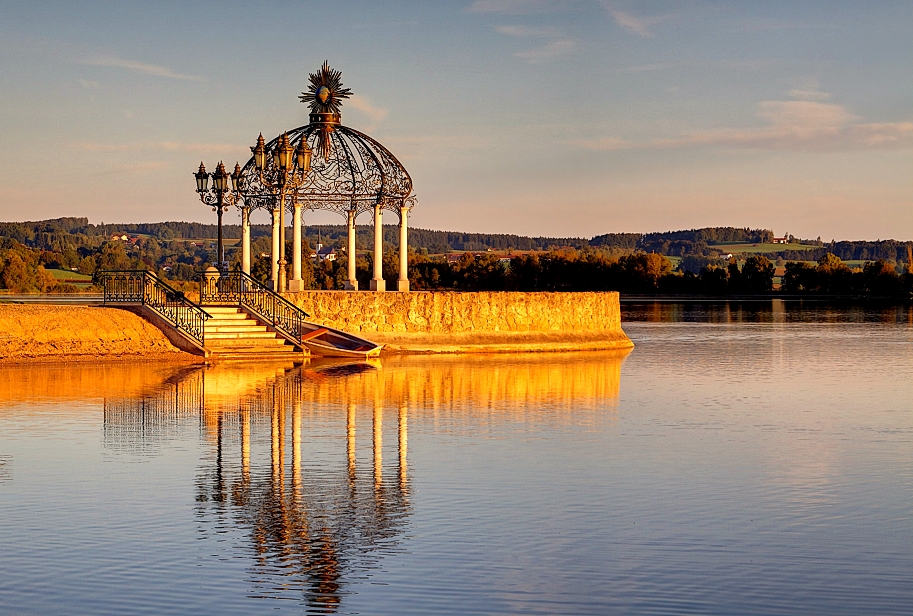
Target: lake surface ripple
[{"x": 757, "y": 465}]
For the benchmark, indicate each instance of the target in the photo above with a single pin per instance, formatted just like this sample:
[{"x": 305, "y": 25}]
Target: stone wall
[{"x": 429, "y": 321}]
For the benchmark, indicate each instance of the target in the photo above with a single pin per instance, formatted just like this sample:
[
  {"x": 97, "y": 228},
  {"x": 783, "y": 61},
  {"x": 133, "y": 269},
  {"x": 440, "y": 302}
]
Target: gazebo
[{"x": 349, "y": 173}]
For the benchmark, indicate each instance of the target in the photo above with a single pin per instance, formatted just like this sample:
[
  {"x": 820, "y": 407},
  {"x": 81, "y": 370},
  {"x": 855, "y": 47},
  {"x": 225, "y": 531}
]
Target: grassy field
[
  {"x": 737, "y": 247},
  {"x": 74, "y": 278},
  {"x": 69, "y": 276}
]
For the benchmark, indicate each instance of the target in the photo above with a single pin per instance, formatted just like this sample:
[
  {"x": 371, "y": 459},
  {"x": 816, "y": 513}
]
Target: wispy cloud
[
  {"x": 140, "y": 67},
  {"x": 424, "y": 146},
  {"x": 550, "y": 50},
  {"x": 168, "y": 146},
  {"x": 513, "y": 7},
  {"x": 526, "y": 31},
  {"x": 809, "y": 92},
  {"x": 605, "y": 144},
  {"x": 88, "y": 84},
  {"x": 362, "y": 104},
  {"x": 138, "y": 167},
  {"x": 791, "y": 126},
  {"x": 638, "y": 25},
  {"x": 559, "y": 44},
  {"x": 647, "y": 68}
]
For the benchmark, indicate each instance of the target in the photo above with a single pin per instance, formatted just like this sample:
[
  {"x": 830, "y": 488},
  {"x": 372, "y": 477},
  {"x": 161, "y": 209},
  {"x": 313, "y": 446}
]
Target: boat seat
[
  {"x": 364, "y": 347},
  {"x": 314, "y": 334}
]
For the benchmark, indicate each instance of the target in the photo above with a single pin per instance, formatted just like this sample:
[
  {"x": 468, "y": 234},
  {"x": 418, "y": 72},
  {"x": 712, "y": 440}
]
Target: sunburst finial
[{"x": 326, "y": 93}]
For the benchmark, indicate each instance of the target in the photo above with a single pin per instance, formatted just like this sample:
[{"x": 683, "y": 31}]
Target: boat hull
[{"x": 324, "y": 341}]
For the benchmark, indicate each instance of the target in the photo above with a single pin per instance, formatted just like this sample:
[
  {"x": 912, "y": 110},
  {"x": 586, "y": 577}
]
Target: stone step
[
  {"x": 227, "y": 316},
  {"x": 234, "y": 334},
  {"x": 247, "y": 356},
  {"x": 278, "y": 348},
  {"x": 240, "y": 336},
  {"x": 243, "y": 327}
]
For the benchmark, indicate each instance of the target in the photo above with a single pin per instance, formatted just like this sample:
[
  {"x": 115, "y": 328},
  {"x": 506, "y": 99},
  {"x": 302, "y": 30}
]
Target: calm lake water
[{"x": 737, "y": 461}]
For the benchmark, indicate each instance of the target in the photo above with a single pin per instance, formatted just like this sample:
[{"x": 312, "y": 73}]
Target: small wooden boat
[{"x": 324, "y": 341}]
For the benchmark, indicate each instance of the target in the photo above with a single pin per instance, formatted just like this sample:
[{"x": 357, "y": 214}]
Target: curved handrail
[
  {"x": 237, "y": 288},
  {"x": 145, "y": 288}
]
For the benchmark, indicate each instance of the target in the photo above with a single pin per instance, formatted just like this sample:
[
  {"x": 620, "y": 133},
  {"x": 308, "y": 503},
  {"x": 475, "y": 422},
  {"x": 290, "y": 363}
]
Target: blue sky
[{"x": 546, "y": 117}]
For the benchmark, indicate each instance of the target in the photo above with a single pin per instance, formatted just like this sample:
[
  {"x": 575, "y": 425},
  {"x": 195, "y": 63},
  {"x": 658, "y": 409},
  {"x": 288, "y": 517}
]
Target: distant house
[
  {"x": 326, "y": 253},
  {"x": 121, "y": 237},
  {"x": 781, "y": 240}
]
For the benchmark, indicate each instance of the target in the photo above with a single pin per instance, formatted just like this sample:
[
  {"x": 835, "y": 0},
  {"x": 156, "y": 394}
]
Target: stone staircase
[{"x": 234, "y": 334}]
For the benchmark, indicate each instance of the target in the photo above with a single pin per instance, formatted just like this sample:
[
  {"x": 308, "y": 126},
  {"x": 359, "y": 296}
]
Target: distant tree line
[{"x": 627, "y": 262}]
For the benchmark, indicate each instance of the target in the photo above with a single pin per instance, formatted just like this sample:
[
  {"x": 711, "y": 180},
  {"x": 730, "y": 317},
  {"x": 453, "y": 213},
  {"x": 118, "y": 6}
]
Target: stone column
[
  {"x": 403, "y": 283},
  {"x": 274, "y": 255},
  {"x": 377, "y": 283},
  {"x": 245, "y": 240},
  {"x": 352, "y": 282},
  {"x": 296, "y": 284}
]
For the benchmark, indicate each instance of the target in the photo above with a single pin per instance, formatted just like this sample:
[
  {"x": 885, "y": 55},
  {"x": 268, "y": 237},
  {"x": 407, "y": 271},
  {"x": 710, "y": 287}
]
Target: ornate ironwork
[
  {"x": 238, "y": 289},
  {"x": 220, "y": 196},
  {"x": 349, "y": 172},
  {"x": 145, "y": 288}
]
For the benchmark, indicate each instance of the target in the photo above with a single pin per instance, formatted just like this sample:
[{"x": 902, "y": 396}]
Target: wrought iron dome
[{"x": 350, "y": 171}]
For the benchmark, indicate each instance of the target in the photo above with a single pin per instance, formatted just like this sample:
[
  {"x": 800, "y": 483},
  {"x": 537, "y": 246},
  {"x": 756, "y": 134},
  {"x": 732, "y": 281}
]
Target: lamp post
[
  {"x": 282, "y": 176},
  {"x": 220, "y": 197}
]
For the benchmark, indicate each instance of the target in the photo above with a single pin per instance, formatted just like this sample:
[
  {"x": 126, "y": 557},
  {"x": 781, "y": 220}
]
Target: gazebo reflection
[
  {"x": 307, "y": 528},
  {"x": 299, "y": 460}
]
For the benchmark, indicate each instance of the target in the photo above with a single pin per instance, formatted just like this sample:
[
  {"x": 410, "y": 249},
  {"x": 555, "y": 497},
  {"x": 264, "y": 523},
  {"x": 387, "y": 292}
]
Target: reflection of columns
[
  {"x": 275, "y": 437},
  {"x": 378, "y": 443},
  {"x": 245, "y": 445},
  {"x": 296, "y": 445},
  {"x": 352, "y": 282},
  {"x": 274, "y": 255},
  {"x": 296, "y": 284},
  {"x": 403, "y": 445},
  {"x": 245, "y": 240},
  {"x": 350, "y": 439},
  {"x": 403, "y": 283},
  {"x": 377, "y": 283}
]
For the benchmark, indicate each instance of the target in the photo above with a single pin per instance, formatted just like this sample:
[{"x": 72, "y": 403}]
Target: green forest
[{"x": 61, "y": 255}]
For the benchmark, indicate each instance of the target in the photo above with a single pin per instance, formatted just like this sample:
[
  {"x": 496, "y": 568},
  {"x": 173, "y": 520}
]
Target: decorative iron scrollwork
[{"x": 145, "y": 288}]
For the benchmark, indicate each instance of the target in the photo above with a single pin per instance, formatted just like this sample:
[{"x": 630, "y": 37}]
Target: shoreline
[{"x": 85, "y": 334}]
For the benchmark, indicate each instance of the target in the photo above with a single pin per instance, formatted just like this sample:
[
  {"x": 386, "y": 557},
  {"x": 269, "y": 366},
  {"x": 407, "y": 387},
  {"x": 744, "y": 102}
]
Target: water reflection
[
  {"x": 304, "y": 470},
  {"x": 767, "y": 311},
  {"x": 306, "y": 531}
]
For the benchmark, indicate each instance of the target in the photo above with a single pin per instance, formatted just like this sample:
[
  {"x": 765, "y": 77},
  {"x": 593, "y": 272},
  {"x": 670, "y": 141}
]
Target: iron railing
[
  {"x": 235, "y": 288},
  {"x": 145, "y": 288}
]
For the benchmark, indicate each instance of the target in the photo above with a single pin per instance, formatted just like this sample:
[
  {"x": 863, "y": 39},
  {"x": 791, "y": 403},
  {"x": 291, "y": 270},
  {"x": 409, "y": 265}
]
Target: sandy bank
[{"x": 34, "y": 333}]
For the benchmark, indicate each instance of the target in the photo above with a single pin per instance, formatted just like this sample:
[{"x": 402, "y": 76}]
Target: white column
[
  {"x": 377, "y": 283},
  {"x": 403, "y": 283},
  {"x": 296, "y": 284},
  {"x": 352, "y": 282},
  {"x": 245, "y": 240},
  {"x": 274, "y": 255}
]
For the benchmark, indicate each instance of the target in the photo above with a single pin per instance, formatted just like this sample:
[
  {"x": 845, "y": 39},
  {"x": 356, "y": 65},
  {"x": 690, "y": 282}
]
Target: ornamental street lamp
[
  {"x": 281, "y": 177},
  {"x": 220, "y": 197}
]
